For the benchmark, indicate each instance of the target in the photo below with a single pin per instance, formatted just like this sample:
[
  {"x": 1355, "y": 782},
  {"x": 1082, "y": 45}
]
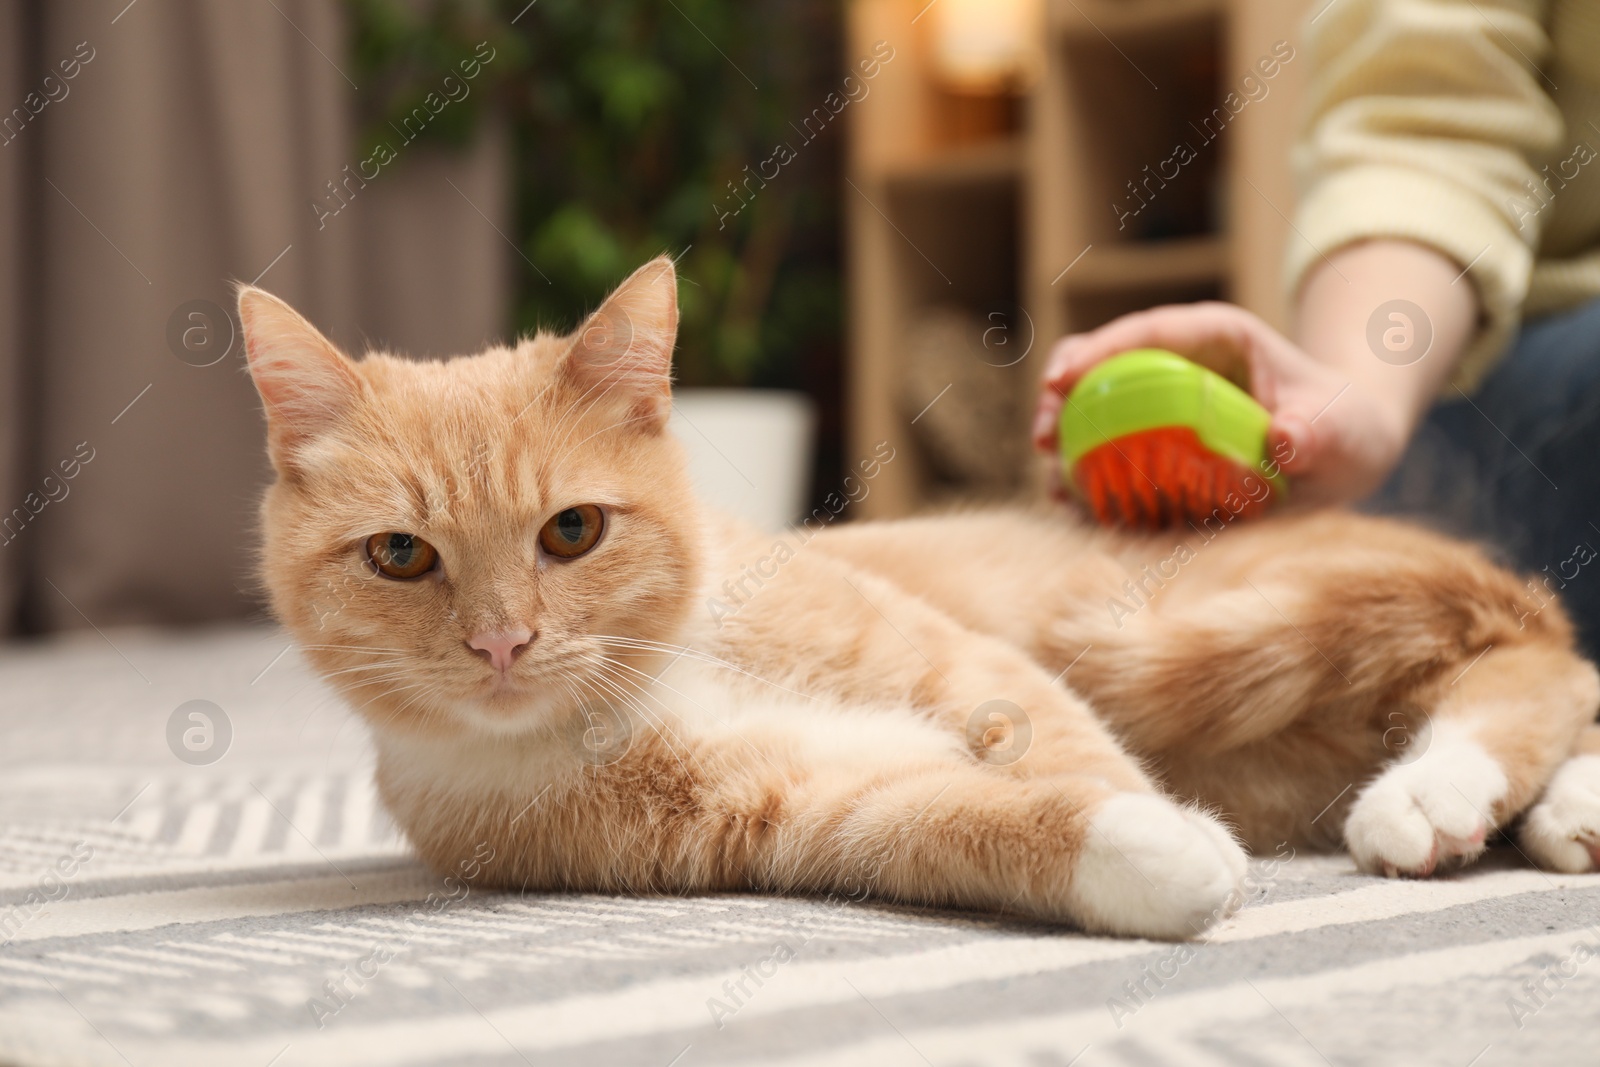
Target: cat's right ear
[
  {"x": 622, "y": 356},
  {"x": 308, "y": 386}
]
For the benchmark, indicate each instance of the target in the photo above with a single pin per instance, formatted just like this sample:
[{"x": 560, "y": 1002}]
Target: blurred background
[{"x": 883, "y": 212}]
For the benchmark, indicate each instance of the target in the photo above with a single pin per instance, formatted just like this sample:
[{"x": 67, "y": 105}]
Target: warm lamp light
[{"x": 984, "y": 46}]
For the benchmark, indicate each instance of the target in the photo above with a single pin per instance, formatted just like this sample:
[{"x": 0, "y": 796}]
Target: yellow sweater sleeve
[{"x": 1422, "y": 116}]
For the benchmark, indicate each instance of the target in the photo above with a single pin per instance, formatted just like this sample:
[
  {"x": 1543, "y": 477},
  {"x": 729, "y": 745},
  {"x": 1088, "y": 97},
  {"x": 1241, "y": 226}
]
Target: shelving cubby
[{"x": 1080, "y": 213}]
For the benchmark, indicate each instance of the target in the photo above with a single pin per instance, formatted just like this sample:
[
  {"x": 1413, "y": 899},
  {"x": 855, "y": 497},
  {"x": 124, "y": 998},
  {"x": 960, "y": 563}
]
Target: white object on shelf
[
  {"x": 749, "y": 450},
  {"x": 986, "y": 46}
]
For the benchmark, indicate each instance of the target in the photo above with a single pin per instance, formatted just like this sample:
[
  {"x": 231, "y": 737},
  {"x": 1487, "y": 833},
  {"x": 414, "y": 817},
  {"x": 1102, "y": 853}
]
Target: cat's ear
[
  {"x": 623, "y": 354},
  {"x": 309, "y": 386}
]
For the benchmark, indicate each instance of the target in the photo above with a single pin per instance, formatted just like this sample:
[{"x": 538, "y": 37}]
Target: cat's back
[
  {"x": 994, "y": 568},
  {"x": 1012, "y": 571}
]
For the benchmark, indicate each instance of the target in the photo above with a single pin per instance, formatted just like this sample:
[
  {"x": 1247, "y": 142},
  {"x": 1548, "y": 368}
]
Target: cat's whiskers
[
  {"x": 368, "y": 701},
  {"x": 613, "y": 664},
  {"x": 388, "y": 664},
  {"x": 425, "y": 692},
  {"x": 426, "y": 688},
  {"x": 698, "y": 655},
  {"x": 352, "y": 687},
  {"x": 573, "y": 694},
  {"x": 389, "y": 674},
  {"x": 582, "y": 694},
  {"x": 630, "y": 698},
  {"x": 390, "y": 669},
  {"x": 352, "y": 648}
]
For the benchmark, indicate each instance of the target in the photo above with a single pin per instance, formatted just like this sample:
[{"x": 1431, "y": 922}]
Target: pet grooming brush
[{"x": 1150, "y": 439}]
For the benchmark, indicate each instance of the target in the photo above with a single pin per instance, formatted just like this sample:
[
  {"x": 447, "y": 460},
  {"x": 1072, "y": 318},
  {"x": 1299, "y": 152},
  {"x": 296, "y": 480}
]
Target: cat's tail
[{"x": 1332, "y": 637}]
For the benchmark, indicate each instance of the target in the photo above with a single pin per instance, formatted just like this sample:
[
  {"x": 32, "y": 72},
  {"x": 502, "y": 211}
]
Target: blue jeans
[{"x": 1517, "y": 467}]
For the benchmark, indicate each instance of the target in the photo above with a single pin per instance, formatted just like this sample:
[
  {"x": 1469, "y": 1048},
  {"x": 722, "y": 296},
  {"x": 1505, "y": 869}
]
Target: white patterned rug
[{"x": 257, "y": 909}]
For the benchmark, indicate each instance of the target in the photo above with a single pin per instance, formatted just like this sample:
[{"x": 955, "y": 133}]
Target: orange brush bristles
[{"x": 1162, "y": 477}]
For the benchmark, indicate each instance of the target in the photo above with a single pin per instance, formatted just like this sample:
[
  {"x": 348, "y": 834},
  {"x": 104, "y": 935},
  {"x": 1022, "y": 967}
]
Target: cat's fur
[{"x": 1303, "y": 680}]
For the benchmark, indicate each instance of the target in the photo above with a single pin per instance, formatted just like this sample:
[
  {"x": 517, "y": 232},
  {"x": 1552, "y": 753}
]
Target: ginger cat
[{"x": 499, "y": 561}]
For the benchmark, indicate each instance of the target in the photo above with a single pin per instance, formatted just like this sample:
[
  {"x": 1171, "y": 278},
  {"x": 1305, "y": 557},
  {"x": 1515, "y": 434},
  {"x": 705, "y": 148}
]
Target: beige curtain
[{"x": 184, "y": 153}]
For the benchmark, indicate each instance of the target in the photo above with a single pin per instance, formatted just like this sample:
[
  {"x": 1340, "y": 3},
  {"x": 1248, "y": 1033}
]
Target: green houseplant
[
  {"x": 638, "y": 127},
  {"x": 646, "y": 127}
]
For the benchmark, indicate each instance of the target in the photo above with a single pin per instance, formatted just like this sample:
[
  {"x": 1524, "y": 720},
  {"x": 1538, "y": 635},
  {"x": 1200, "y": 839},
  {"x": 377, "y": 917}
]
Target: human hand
[{"x": 1337, "y": 439}]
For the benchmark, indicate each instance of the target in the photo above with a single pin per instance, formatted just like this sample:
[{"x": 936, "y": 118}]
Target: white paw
[
  {"x": 1152, "y": 869},
  {"x": 1432, "y": 812},
  {"x": 1562, "y": 831}
]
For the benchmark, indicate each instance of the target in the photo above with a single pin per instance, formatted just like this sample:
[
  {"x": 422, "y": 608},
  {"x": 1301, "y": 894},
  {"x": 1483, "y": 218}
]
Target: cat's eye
[
  {"x": 573, "y": 532},
  {"x": 401, "y": 555}
]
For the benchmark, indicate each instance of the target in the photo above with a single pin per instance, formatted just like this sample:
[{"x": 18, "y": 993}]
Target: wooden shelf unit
[
  {"x": 998, "y": 162},
  {"x": 1111, "y": 19},
  {"x": 1067, "y": 220}
]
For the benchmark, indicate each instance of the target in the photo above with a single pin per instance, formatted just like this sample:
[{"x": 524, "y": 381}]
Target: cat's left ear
[
  {"x": 623, "y": 353},
  {"x": 309, "y": 386}
]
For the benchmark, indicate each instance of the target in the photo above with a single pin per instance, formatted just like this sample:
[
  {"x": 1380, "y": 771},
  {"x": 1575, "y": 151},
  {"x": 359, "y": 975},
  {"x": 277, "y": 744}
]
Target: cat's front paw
[
  {"x": 1562, "y": 831},
  {"x": 1149, "y": 868},
  {"x": 1429, "y": 814}
]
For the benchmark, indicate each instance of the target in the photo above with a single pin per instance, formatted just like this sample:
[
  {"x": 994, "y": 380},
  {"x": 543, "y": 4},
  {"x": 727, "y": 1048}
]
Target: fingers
[
  {"x": 1215, "y": 335},
  {"x": 1291, "y": 443},
  {"x": 1045, "y": 421},
  {"x": 1055, "y": 487},
  {"x": 1052, "y": 393}
]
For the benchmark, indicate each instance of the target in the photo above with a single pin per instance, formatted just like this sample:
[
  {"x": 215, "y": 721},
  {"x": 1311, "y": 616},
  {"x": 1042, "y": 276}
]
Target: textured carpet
[{"x": 258, "y": 909}]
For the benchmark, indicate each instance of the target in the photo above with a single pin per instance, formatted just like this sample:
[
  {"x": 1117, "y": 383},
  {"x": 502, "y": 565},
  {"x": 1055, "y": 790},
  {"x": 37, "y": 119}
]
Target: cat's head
[{"x": 485, "y": 543}]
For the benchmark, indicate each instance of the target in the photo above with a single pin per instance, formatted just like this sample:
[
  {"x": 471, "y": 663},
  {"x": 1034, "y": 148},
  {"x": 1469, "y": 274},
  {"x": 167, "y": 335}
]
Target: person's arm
[
  {"x": 1393, "y": 319},
  {"x": 1422, "y": 122},
  {"x": 1352, "y": 316}
]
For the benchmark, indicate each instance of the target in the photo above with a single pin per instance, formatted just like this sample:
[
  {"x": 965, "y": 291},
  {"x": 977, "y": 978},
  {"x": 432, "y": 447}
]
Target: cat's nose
[{"x": 501, "y": 649}]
